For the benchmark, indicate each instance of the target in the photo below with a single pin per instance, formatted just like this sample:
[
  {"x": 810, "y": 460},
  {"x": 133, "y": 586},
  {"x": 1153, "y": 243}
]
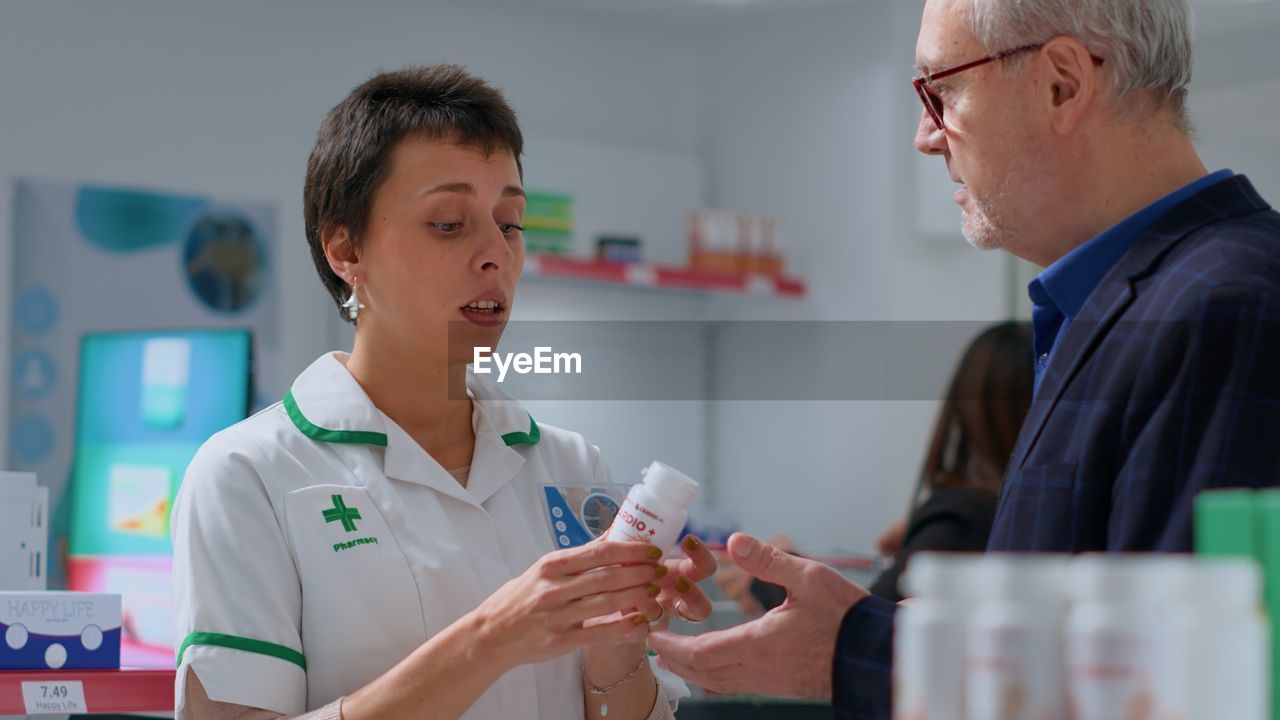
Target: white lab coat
[{"x": 316, "y": 545}]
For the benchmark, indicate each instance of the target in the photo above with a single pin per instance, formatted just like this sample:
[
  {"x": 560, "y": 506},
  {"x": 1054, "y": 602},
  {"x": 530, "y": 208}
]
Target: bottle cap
[
  {"x": 670, "y": 483},
  {"x": 1024, "y": 577},
  {"x": 1223, "y": 582},
  {"x": 1134, "y": 580},
  {"x": 941, "y": 575}
]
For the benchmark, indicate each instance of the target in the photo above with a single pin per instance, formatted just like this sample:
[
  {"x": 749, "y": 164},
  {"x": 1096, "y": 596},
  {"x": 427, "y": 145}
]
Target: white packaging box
[
  {"x": 24, "y": 532},
  {"x": 54, "y": 630}
]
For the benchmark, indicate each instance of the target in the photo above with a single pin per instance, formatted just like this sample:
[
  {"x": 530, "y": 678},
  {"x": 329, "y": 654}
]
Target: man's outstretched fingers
[{"x": 765, "y": 561}]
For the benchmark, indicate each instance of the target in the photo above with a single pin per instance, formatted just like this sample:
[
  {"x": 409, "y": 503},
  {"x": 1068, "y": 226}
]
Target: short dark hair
[{"x": 351, "y": 156}]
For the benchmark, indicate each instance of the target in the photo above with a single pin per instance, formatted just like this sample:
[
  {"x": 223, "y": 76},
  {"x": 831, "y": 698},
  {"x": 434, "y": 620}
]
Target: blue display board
[{"x": 146, "y": 402}]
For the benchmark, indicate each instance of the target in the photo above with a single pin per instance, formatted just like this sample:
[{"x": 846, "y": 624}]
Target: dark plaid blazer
[{"x": 1166, "y": 384}]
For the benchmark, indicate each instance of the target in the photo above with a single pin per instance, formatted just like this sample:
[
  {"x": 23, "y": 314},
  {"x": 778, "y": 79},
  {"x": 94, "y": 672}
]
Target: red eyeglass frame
[{"x": 921, "y": 82}]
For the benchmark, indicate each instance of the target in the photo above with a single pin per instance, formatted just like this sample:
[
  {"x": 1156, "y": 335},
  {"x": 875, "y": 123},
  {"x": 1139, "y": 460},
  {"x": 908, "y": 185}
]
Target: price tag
[{"x": 54, "y": 696}]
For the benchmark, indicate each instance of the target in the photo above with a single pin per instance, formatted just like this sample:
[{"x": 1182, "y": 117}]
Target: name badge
[{"x": 576, "y": 514}]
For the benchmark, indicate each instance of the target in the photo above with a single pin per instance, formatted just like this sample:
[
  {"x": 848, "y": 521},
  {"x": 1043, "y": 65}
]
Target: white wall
[
  {"x": 1234, "y": 98},
  {"x": 224, "y": 98},
  {"x": 811, "y": 118}
]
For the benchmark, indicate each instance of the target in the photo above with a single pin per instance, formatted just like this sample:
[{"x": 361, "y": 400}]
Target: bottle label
[
  {"x": 1109, "y": 676},
  {"x": 1014, "y": 674},
  {"x": 637, "y": 522}
]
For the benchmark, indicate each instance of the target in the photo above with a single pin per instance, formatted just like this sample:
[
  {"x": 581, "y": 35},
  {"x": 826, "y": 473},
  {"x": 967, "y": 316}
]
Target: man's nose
[{"x": 929, "y": 139}]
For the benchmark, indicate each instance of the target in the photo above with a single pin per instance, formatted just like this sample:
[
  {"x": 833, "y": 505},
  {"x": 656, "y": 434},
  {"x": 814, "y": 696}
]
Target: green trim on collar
[
  {"x": 315, "y": 432},
  {"x": 521, "y": 438},
  {"x": 235, "y": 642}
]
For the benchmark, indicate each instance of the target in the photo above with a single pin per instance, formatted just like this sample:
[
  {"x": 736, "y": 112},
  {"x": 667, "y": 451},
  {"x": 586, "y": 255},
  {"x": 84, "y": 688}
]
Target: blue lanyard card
[{"x": 577, "y": 514}]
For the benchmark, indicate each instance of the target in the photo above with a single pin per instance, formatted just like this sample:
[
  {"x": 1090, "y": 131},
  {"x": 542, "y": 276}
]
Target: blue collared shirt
[{"x": 1060, "y": 291}]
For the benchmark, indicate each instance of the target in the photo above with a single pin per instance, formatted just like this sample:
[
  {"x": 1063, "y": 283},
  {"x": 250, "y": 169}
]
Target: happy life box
[{"x": 55, "y": 630}]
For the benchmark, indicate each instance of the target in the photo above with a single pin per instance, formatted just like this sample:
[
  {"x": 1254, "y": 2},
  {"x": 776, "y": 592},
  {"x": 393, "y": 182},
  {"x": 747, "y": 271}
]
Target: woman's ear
[{"x": 341, "y": 253}]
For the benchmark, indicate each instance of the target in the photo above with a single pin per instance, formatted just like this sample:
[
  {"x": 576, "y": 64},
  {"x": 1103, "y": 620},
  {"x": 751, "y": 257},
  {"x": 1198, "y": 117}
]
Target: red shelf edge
[
  {"x": 658, "y": 276},
  {"x": 105, "y": 691}
]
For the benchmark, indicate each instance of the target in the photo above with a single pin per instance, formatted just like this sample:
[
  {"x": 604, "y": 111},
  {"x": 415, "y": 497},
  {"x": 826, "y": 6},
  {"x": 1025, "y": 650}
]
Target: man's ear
[
  {"x": 1072, "y": 83},
  {"x": 340, "y": 251}
]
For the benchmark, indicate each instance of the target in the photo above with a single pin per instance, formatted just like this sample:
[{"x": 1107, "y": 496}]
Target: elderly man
[{"x": 1157, "y": 316}]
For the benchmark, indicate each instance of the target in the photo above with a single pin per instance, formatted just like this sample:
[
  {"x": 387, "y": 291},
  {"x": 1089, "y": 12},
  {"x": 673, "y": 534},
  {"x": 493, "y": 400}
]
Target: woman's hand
[
  {"x": 680, "y": 592},
  {"x": 540, "y": 615}
]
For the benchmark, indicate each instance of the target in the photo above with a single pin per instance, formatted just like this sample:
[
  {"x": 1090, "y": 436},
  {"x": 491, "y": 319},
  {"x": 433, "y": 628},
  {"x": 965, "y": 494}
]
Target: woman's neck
[{"x": 421, "y": 392}]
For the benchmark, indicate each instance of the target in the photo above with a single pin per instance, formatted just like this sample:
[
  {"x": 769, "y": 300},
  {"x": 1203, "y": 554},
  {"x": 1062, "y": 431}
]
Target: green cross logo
[{"x": 341, "y": 512}]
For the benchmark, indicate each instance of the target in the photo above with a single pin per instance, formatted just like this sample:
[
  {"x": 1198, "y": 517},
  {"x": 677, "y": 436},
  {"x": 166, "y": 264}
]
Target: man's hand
[{"x": 787, "y": 652}]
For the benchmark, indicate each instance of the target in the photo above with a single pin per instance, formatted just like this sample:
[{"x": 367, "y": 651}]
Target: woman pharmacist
[{"x": 373, "y": 546}]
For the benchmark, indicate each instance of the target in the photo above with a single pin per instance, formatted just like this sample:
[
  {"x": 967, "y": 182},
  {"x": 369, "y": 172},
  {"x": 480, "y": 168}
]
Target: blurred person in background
[{"x": 955, "y": 499}]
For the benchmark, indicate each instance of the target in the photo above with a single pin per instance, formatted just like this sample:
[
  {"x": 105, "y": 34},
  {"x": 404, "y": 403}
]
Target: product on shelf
[
  {"x": 24, "y": 534},
  {"x": 733, "y": 243},
  {"x": 548, "y": 222},
  {"x": 1097, "y": 636},
  {"x": 1013, "y": 647},
  {"x": 618, "y": 249},
  {"x": 1246, "y": 523},
  {"x": 56, "y": 630},
  {"x": 929, "y": 634}
]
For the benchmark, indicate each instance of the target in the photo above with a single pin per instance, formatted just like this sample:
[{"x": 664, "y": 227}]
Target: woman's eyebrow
[
  {"x": 461, "y": 188},
  {"x": 464, "y": 188}
]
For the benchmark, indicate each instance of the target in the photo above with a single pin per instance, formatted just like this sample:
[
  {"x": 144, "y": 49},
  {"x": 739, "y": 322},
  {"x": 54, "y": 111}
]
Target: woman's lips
[{"x": 484, "y": 318}]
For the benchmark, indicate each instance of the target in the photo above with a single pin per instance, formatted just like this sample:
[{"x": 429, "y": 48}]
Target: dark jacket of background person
[{"x": 953, "y": 519}]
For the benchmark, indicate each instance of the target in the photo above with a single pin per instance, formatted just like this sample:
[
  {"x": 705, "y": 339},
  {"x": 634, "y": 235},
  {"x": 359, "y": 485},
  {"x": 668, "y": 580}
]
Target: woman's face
[{"x": 443, "y": 249}]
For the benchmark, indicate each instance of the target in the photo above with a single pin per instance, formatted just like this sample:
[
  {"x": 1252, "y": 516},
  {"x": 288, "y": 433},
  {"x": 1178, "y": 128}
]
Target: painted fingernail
[
  {"x": 653, "y": 590},
  {"x": 640, "y": 620},
  {"x": 655, "y": 552},
  {"x": 691, "y": 543},
  {"x": 683, "y": 585},
  {"x": 659, "y": 571}
]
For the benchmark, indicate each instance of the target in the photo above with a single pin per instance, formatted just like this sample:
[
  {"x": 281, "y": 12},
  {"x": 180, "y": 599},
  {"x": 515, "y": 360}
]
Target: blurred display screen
[{"x": 146, "y": 402}]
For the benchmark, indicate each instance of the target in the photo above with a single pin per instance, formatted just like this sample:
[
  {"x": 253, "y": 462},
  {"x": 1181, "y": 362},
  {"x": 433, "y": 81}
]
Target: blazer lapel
[
  {"x": 1106, "y": 304},
  {"x": 1229, "y": 198}
]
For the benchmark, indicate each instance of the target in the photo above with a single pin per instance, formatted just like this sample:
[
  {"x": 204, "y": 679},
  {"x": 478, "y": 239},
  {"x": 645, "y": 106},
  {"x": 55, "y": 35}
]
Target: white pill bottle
[
  {"x": 1213, "y": 647},
  {"x": 1014, "y": 642},
  {"x": 1113, "y": 630},
  {"x": 655, "y": 510},
  {"x": 929, "y": 635}
]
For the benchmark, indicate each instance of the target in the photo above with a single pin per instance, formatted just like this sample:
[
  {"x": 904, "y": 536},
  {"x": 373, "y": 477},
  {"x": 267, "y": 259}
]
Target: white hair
[{"x": 1145, "y": 44}]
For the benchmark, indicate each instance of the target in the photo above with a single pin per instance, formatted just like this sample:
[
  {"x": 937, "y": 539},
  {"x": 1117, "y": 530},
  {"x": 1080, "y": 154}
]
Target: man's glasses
[{"x": 933, "y": 103}]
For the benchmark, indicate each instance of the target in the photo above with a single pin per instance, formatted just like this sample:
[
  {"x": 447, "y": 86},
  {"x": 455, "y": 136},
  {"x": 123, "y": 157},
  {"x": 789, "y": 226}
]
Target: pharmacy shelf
[
  {"x": 130, "y": 690},
  {"x": 658, "y": 277}
]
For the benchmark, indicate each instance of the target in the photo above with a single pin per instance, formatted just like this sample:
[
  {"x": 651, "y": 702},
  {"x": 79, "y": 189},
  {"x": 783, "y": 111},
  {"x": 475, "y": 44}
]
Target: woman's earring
[{"x": 353, "y": 305}]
